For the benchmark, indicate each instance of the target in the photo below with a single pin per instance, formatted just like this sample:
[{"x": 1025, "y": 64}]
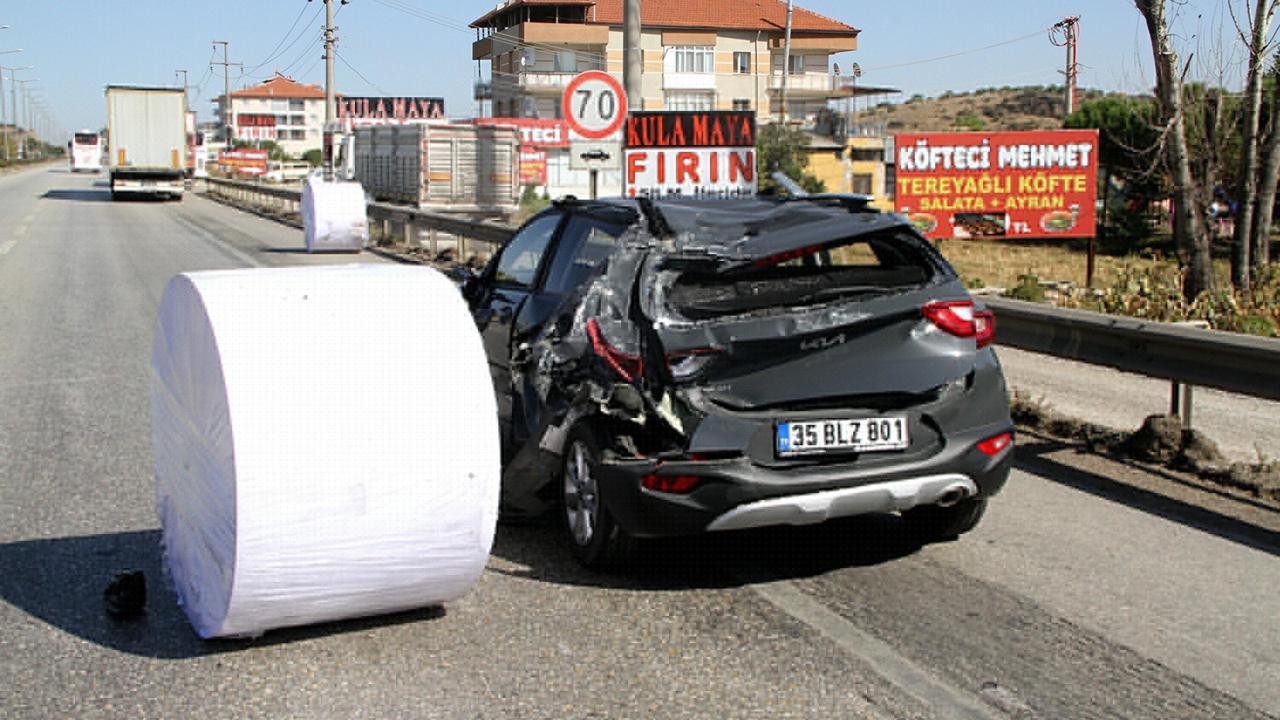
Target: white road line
[
  {"x": 6, "y": 246},
  {"x": 20, "y": 231},
  {"x": 945, "y": 700}
]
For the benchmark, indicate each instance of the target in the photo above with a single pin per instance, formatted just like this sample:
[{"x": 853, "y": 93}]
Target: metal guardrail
[
  {"x": 1185, "y": 356},
  {"x": 389, "y": 219}
]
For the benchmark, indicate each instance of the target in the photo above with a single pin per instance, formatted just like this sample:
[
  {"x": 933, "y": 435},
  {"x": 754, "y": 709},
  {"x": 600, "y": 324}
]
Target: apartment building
[
  {"x": 281, "y": 109},
  {"x": 704, "y": 55}
]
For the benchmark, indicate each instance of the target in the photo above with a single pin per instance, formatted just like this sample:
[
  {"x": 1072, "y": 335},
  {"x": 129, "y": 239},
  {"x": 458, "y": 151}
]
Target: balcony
[
  {"x": 541, "y": 33},
  {"x": 802, "y": 84},
  {"x": 688, "y": 81},
  {"x": 483, "y": 91},
  {"x": 546, "y": 81}
]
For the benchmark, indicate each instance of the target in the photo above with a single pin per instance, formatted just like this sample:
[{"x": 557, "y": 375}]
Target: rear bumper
[{"x": 737, "y": 493}]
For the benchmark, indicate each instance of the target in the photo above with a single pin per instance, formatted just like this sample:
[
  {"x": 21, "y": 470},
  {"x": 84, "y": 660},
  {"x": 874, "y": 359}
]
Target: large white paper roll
[
  {"x": 334, "y": 218},
  {"x": 326, "y": 444}
]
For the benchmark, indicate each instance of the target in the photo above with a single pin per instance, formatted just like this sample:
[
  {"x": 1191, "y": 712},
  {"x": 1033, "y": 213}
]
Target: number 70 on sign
[{"x": 594, "y": 104}]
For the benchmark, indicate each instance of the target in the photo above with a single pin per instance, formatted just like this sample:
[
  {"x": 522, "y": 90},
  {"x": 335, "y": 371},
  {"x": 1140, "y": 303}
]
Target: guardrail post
[
  {"x": 1180, "y": 401},
  {"x": 410, "y": 240},
  {"x": 433, "y": 239}
]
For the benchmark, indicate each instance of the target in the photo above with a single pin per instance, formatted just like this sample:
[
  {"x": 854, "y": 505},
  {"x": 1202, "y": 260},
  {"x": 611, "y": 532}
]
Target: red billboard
[
  {"x": 533, "y": 167},
  {"x": 1037, "y": 183},
  {"x": 690, "y": 153},
  {"x": 244, "y": 161}
]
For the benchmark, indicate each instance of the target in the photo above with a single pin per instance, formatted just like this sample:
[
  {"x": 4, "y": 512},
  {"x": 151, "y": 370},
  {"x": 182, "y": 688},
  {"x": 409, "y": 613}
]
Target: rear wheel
[
  {"x": 596, "y": 539},
  {"x": 935, "y": 522}
]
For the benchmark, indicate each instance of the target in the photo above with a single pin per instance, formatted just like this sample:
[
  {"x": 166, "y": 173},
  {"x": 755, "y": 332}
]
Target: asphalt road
[{"x": 1089, "y": 590}]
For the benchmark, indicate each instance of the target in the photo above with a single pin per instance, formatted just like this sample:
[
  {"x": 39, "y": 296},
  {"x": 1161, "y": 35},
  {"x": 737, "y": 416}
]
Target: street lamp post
[
  {"x": 22, "y": 144},
  {"x": 3, "y": 125}
]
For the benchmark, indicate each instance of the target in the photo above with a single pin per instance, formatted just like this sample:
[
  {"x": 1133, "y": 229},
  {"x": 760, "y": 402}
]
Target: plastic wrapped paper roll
[
  {"x": 326, "y": 444},
  {"x": 333, "y": 216}
]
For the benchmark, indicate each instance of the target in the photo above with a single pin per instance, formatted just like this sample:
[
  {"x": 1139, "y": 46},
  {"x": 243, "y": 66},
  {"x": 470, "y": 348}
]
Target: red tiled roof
[
  {"x": 508, "y": 4},
  {"x": 281, "y": 87},
  {"x": 764, "y": 15}
]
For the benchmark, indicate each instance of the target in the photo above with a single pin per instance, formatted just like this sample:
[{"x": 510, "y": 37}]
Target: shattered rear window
[{"x": 864, "y": 266}]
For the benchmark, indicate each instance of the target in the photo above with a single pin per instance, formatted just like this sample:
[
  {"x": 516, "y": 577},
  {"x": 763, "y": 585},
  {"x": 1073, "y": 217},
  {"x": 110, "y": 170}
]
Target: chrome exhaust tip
[{"x": 952, "y": 495}]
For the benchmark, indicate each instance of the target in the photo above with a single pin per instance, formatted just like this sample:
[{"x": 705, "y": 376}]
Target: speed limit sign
[{"x": 594, "y": 104}]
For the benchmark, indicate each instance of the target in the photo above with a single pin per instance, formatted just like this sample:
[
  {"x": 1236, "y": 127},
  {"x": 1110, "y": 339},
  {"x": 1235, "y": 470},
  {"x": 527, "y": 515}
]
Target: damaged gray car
[{"x": 671, "y": 367}]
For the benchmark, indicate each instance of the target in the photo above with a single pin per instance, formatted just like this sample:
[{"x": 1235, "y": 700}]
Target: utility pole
[
  {"x": 786, "y": 67},
  {"x": 226, "y": 88},
  {"x": 1064, "y": 33},
  {"x": 330, "y": 100},
  {"x": 632, "y": 59}
]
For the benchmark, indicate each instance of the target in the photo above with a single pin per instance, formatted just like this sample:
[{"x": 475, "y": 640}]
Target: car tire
[
  {"x": 931, "y": 523},
  {"x": 594, "y": 536}
]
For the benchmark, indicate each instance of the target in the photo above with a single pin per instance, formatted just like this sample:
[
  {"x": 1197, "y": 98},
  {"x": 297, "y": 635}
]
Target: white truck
[
  {"x": 438, "y": 166},
  {"x": 147, "y": 140}
]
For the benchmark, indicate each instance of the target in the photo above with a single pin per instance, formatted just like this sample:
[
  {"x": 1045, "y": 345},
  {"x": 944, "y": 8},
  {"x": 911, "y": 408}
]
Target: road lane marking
[
  {"x": 6, "y": 246},
  {"x": 945, "y": 700},
  {"x": 20, "y": 231}
]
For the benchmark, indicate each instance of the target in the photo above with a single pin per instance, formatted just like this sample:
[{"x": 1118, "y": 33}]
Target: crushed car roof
[{"x": 749, "y": 228}]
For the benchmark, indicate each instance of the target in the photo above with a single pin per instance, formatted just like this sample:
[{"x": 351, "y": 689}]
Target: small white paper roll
[
  {"x": 334, "y": 218},
  {"x": 326, "y": 444}
]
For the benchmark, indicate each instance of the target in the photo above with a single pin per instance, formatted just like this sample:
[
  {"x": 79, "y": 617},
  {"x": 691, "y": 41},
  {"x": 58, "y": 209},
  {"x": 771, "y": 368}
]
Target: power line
[
  {"x": 922, "y": 61},
  {"x": 273, "y": 54},
  {"x": 367, "y": 81}
]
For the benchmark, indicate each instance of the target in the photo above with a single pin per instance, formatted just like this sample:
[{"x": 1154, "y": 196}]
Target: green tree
[
  {"x": 314, "y": 157},
  {"x": 779, "y": 147}
]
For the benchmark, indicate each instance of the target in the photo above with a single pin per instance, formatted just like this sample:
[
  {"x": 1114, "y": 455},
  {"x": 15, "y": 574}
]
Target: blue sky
[{"x": 422, "y": 47}]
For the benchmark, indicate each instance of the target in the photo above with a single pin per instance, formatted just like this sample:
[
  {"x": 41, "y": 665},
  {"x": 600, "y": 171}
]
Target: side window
[
  {"x": 519, "y": 262},
  {"x": 585, "y": 244}
]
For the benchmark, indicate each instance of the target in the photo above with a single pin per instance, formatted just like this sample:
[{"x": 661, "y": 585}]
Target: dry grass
[{"x": 993, "y": 263}]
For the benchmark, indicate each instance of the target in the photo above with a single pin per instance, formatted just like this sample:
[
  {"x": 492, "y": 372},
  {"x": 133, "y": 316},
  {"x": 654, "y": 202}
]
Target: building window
[
  {"x": 279, "y": 105},
  {"x": 692, "y": 59},
  {"x": 566, "y": 61},
  {"x": 282, "y": 119},
  {"x": 282, "y": 134},
  {"x": 689, "y": 101},
  {"x": 742, "y": 63},
  {"x": 298, "y": 134},
  {"x": 867, "y": 155},
  {"x": 298, "y": 104},
  {"x": 741, "y": 104},
  {"x": 296, "y": 120},
  {"x": 797, "y": 64},
  {"x": 860, "y": 183}
]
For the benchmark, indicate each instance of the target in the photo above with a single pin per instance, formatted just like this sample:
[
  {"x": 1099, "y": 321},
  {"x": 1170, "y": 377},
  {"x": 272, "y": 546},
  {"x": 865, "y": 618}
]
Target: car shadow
[
  {"x": 78, "y": 195},
  {"x": 60, "y": 581},
  {"x": 711, "y": 560},
  {"x": 1031, "y": 457}
]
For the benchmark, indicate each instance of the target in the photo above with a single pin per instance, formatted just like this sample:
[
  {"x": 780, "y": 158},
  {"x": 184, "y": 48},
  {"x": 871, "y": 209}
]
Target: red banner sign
[
  {"x": 1040, "y": 183},
  {"x": 245, "y": 162}
]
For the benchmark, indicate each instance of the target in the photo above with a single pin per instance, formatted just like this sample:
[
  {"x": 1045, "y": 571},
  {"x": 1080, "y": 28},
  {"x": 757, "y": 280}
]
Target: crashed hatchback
[{"x": 671, "y": 367}]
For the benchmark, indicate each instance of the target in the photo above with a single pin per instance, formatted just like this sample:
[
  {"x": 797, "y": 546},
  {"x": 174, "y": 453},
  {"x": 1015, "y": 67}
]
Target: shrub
[{"x": 1028, "y": 288}]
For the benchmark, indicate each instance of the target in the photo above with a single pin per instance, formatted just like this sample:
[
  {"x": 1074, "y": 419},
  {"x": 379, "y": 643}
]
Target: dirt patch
[{"x": 1161, "y": 441}]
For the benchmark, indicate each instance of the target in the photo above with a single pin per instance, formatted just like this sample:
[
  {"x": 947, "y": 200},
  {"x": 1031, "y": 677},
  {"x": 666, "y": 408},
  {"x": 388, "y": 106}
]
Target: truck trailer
[
  {"x": 439, "y": 166},
  {"x": 147, "y": 140}
]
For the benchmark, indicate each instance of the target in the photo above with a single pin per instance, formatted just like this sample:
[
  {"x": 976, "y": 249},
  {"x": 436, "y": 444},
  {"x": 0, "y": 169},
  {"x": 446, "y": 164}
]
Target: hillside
[{"x": 1025, "y": 108}]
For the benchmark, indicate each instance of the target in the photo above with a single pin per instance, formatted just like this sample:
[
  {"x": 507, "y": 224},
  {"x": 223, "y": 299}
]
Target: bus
[{"x": 84, "y": 152}]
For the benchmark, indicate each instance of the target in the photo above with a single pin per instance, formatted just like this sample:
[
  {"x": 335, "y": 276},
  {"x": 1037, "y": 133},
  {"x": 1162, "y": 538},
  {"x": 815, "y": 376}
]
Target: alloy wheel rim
[{"x": 581, "y": 502}]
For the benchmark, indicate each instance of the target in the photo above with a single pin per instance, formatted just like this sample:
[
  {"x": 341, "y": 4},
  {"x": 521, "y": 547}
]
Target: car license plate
[{"x": 871, "y": 434}]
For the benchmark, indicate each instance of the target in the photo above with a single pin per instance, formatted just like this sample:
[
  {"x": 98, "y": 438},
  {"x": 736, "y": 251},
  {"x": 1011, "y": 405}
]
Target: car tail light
[
  {"x": 984, "y": 322},
  {"x": 675, "y": 484},
  {"x": 627, "y": 366},
  {"x": 959, "y": 318},
  {"x": 993, "y": 446}
]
